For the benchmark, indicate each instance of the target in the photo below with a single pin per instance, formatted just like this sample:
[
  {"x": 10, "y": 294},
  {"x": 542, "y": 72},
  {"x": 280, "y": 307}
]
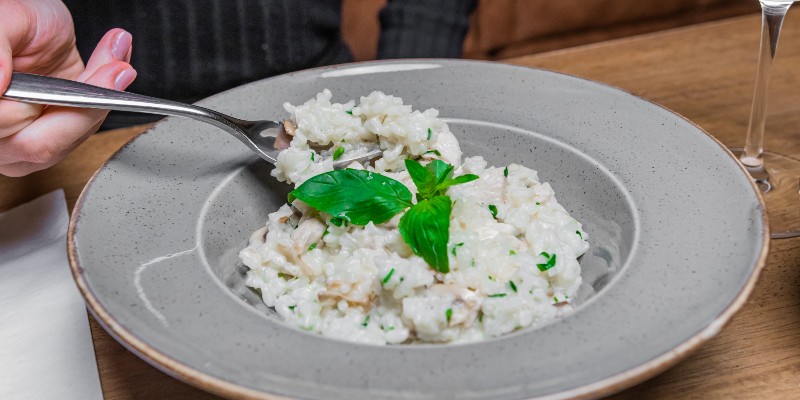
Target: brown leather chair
[{"x": 508, "y": 28}]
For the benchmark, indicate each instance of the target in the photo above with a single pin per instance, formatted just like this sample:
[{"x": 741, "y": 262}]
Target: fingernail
[
  {"x": 124, "y": 78},
  {"x": 121, "y": 45}
]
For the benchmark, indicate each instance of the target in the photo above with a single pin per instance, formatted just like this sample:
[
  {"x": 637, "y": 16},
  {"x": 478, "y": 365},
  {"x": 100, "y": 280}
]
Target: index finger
[{"x": 16, "y": 31}]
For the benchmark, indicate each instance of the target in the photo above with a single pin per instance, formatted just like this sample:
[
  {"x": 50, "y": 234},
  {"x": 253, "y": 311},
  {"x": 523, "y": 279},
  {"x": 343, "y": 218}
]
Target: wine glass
[{"x": 777, "y": 175}]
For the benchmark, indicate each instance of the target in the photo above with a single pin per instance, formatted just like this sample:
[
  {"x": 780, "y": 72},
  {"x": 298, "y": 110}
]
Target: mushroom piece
[
  {"x": 308, "y": 232},
  {"x": 285, "y": 135},
  {"x": 466, "y": 305},
  {"x": 336, "y": 296},
  {"x": 259, "y": 236}
]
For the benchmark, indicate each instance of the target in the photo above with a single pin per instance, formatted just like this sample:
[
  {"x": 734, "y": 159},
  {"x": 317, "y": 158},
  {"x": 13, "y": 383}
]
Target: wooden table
[{"x": 705, "y": 73}]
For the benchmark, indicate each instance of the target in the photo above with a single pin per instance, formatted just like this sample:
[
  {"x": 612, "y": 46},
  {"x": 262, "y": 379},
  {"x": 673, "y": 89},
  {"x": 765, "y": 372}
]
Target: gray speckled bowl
[{"x": 678, "y": 239}]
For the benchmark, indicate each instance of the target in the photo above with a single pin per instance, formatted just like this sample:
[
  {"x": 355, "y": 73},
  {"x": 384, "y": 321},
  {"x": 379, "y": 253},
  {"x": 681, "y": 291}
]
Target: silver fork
[{"x": 259, "y": 136}]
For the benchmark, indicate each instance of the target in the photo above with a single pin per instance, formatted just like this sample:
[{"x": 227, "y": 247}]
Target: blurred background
[
  {"x": 186, "y": 50},
  {"x": 502, "y": 29}
]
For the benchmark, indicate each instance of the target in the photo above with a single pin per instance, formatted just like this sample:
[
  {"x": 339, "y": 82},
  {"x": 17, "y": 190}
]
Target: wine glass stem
[{"x": 772, "y": 15}]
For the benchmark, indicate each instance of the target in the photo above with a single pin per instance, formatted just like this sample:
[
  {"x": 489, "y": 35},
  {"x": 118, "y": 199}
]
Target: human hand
[{"x": 37, "y": 36}]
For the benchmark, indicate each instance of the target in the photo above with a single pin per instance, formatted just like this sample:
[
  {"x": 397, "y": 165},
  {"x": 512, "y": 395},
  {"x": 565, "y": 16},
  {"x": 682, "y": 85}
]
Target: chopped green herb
[
  {"x": 538, "y": 204},
  {"x": 402, "y": 278},
  {"x": 434, "y": 152},
  {"x": 551, "y": 261},
  {"x": 493, "y": 209},
  {"x": 498, "y": 295},
  {"x": 349, "y": 112},
  {"x": 480, "y": 316},
  {"x": 389, "y": 328},
  {"x": 579, "y": 234},
  {"x": 555, "y": 299},
  {"x": 292, "y": 308},
  {"x": 429, "y": 133},
  {"x": 513, "y": 286},
  {"x": 511, "y": 252},
  {"x": 338, "y": 153},
  {"x": 313, "y": 246},
  {"x": 312, "y": 156},
  {"x": 491, "y": 278},
  {"x": 505, "y": 172},
  {"x": 448, "y": 314},
  {"x": 284, "y": 275},
  {"x": 388, "y": 276},
  {"x": 325, "y": 233},
  {"x": 365, "y": 322},
  {"x": 457, "y": 246}
]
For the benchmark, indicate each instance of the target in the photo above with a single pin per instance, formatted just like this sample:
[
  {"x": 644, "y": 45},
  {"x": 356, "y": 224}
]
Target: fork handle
[{"x": 30, "y": 88}]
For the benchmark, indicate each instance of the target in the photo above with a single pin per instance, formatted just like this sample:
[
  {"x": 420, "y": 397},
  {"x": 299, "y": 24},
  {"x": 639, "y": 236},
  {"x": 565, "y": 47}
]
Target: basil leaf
[
  {"x": 459, "y": 180},
  {"x": 440, "y": 170},
  {"x": 434, "y": 178},
  {"x": 426, "y": 229},
  {"x": 356, "y": 196},
  {"x": 419, "y": 174},
  {"x": 428, "y": 177}
]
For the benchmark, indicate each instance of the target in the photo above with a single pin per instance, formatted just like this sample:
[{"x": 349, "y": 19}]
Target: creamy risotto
[{"x": 506, "y": 261}]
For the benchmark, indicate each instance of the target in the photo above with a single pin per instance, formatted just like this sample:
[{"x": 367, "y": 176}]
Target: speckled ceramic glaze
[{"x": 677, "y": 234}]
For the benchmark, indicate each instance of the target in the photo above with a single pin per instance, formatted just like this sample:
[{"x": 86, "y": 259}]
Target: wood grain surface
[{"x": 705, "y": 73}]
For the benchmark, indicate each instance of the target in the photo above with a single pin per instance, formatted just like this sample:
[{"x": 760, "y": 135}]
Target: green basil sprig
[
  {"x": 434, "y": 178},
  {"x": 360, "y": 197}
]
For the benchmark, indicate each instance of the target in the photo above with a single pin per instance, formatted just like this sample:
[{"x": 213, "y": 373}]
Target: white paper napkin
[{"x": 46, "y": 349}]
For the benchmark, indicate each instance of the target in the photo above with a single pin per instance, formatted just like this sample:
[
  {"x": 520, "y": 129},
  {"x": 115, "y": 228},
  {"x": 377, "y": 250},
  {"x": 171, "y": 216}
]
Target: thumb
[{"x": 16, "y": 27}]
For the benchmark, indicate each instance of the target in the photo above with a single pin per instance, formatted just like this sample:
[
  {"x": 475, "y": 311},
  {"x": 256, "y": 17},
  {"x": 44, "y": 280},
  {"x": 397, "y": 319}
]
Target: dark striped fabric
[
  {"x": 186, "y": 50},
  {"x": 424, "y": 28}
]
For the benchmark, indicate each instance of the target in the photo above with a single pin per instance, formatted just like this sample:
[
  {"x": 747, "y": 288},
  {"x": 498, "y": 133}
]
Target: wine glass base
[{"x": 780, "y": 186}]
